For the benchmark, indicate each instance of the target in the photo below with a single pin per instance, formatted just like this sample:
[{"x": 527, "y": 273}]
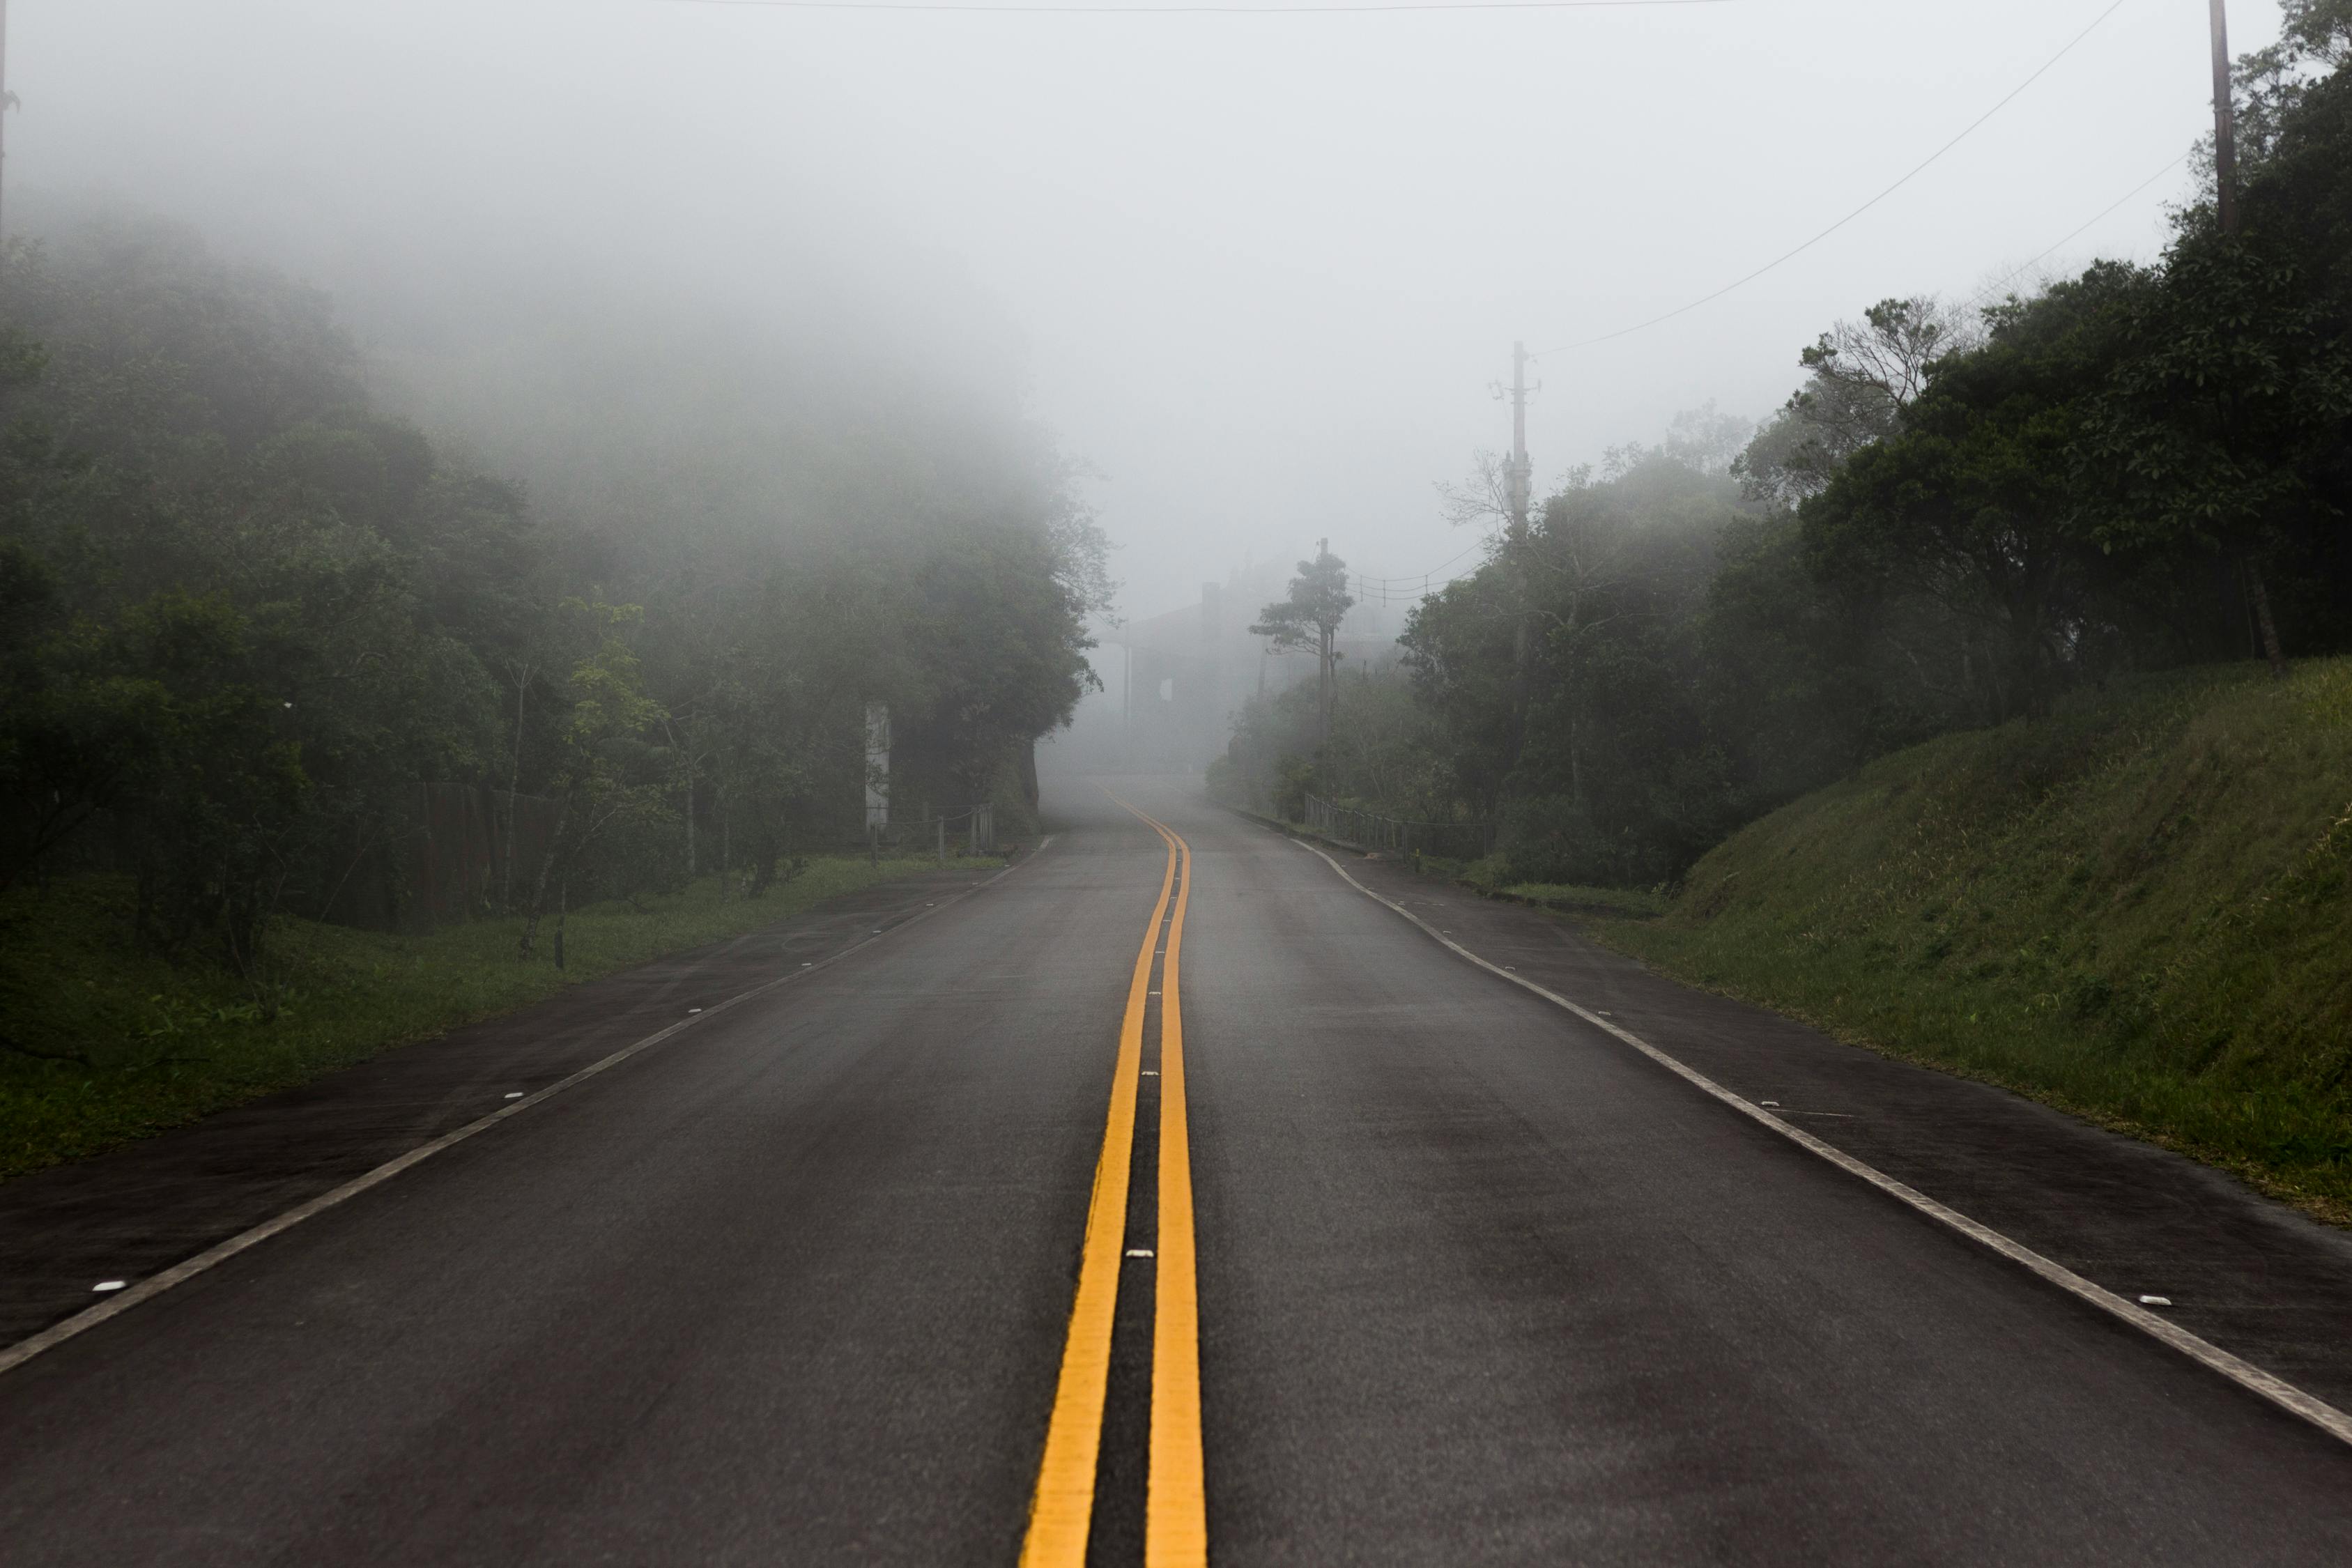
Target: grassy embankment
[
  {"x": 130, "y": 1044},
  {"x": 2136, "y": 910},
  {"x": 1568, "y": 898}
]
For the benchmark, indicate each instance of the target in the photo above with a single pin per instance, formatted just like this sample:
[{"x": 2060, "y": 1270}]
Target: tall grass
[{"x": 2135, "y": 909}]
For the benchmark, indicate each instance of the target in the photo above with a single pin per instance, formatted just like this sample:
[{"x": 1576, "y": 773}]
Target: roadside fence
[
  {"x": 1371, "y": 830},
  {"x": 973, "y": 830}
]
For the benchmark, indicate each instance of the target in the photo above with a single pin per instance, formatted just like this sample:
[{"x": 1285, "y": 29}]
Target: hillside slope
[{"x": 2136, "y": 910}]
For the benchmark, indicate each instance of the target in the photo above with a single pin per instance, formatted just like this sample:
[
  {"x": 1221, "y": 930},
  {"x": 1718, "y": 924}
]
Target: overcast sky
[{"x": 1258, "y": 269}]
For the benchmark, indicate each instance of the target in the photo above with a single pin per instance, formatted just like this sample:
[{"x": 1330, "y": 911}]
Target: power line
[
  {"x": 940, "y": 5},
  {"x": 1412, "y": 588},
  {"x": 1423, "y": 576},
  {"x": 2016, "y": 273},
  {"x": 1917, "y": 170}
]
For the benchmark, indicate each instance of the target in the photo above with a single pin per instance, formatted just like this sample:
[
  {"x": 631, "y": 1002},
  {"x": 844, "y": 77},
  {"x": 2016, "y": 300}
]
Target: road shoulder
[
  {"x": 145, "y": 1207},
  {"x": 2252, "y": 1275}
]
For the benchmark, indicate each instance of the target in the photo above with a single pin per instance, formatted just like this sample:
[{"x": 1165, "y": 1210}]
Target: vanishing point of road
[{"x": 1165, "y": 1199}]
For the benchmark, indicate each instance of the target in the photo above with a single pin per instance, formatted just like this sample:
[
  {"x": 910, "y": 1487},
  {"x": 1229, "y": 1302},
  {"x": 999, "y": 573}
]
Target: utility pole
[
  {"x": 1323, "y": 683},
  {"x": 6, "y": 97},
  {"x": 2225, "y": 152},
  {"x": 1515, "y": 481},
  {"x": 2225, "y": 206},
  {"x": 1515, "y": 486}
]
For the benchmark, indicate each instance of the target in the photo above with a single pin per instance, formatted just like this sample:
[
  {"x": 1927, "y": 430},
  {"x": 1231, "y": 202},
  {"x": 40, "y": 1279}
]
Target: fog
[{"x": 1257, "y": 271}]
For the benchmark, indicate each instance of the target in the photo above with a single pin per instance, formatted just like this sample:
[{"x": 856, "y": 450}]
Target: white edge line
[
  {"x": 154, "y": 1285},
  {"x": 2244, "y": 1374}
]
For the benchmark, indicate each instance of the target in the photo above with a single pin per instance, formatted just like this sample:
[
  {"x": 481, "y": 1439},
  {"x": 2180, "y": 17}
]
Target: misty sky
[{"x": 1259, "y": 270}]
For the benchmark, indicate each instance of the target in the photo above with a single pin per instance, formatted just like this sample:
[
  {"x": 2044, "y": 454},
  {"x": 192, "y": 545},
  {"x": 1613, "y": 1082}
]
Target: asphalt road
[{"x": 1476, "y": 1283}]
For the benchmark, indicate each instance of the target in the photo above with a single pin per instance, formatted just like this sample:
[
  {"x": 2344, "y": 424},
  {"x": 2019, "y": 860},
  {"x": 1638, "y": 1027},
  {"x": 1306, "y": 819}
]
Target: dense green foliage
[
  {"x": 2138, "y": 906},
  {"x": 240, "y": 604},
  {"x": 1958, "y": 519}
]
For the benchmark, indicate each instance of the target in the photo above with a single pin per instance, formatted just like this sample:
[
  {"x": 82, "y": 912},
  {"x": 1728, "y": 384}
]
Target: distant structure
[
  {"x": 1173, "y": 682},
  {"x": 878, "y": 765}
]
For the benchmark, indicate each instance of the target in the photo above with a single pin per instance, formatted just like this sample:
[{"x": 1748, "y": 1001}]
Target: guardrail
[
  {"x": 974, "y": 827},
  {"x": 1371, "y": 830}
]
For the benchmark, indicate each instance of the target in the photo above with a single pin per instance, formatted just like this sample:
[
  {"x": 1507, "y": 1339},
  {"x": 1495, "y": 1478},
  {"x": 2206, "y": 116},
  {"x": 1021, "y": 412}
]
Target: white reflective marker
[
  {"x": 2156, "y": 1300},
  {"x": 694, "y": 1009},
  {"x": 126, "y": 1295},
  {"x": 516, "y": 1095},
  {"x": 1139, "y": 1252}
]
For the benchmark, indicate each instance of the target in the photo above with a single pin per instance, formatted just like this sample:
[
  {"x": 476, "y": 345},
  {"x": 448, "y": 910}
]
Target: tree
[
  {"x": 1310, "y": 617},
  {"x": 1860, "y": 377},
  {"x": 1972, "y": 503},
  {"x": 607, "y": 776},
  {"x": 2229, "y": 403}
]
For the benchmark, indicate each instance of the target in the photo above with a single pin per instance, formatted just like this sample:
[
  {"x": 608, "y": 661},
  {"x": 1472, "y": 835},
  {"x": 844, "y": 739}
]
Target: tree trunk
[
  {"x": 2262, "y": 600},
  {"x": 514, "y": 787},
  {"x": 539, "y": 892},
  {"x": 1575, "y": 764}
]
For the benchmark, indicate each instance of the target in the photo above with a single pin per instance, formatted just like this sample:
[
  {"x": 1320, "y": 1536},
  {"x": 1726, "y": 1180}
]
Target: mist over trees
[
  {"x": 243, "y": 602},
  {"x": 1961, "y": 517}
]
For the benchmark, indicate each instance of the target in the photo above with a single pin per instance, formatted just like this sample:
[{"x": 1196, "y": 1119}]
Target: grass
[
  {"x": 2135, "y": 910},
  {"x": 109, "y": 1042},
  {"x": 1630, "y": 904},
  {"x": 1573, "y": 897}
]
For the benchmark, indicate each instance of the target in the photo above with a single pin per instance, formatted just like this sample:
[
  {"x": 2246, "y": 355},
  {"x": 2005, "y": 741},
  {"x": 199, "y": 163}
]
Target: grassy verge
[
  {"x": 1571, "y": 897},
  {"x": 106, "y": 1042},
  {"x": 2136, "y": 910}
]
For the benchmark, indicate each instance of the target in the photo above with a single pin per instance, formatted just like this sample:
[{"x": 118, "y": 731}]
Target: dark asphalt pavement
[{"x": 1477, "y": 1283}]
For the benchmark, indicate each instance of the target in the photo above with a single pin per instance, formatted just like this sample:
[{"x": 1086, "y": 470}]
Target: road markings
[
  {"x": 154, "y": 1285},
  {"x": 1062, "y": 1511},
  {"x": 2277, "y": 1390},
  {"x": 1175, "y": 1519},
  {"x": 1175, "y": 1530}
]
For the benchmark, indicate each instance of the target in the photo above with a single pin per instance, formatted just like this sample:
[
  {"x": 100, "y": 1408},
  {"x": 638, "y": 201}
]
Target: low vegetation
[
  {"x": 1633, "y": 903},
  {"x": 103, "y": 1040},
  {"x": 1968, "y": 512},
  {"x": 2135, "y": 909}
]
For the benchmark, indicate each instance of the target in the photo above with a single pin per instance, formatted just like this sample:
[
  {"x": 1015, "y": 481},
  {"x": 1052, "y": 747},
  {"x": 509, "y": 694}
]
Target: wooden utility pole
[
  {"x": 5, "y": 98},
  {"x": 2225, "y": 206},
  {"x": 1514, "y": 484},
  {"x": 2225, "y": 152},
  {"x": 1323, "y": 681}
]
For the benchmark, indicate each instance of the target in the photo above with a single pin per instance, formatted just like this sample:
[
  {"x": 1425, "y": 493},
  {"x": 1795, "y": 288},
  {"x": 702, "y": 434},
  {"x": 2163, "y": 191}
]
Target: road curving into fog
[{"x": 1475, "y": 1282}]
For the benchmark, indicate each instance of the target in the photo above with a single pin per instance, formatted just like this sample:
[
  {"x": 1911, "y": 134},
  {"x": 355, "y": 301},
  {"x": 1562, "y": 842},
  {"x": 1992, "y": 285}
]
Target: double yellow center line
[{"x": 1175, "y": 1518}]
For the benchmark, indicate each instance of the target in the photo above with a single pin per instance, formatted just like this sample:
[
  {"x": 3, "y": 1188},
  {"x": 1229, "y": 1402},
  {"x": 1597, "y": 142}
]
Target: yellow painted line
[
  {"x": 1175, "y": 1522},
  {"x": 1062, "y": 1511}
]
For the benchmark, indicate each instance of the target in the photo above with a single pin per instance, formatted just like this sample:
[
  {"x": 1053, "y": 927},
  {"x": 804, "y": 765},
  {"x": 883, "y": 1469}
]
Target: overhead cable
[
  {"x": 2015, "y": 273},
  {"x": 1158, "y": 10},
  {"x": 1917, "y": 169}
]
